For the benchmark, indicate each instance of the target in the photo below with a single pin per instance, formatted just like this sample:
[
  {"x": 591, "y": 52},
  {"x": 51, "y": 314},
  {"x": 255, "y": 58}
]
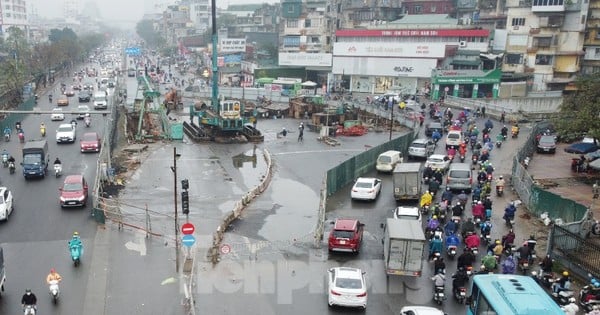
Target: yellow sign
[
  {"x": 236, "y": 106},
  {"x": 402, "y": 105}
]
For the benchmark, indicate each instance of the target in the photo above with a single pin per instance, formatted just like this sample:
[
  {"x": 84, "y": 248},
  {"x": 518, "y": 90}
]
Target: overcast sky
[{"x": 125, "y": 10}]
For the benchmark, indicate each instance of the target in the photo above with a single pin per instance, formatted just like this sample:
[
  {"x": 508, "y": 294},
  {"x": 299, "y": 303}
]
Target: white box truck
[
  {"x": 404, "y": 245},
  {"x": 407, "y": 181}
]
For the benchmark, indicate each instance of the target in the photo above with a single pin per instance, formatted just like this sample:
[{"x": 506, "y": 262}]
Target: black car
[
  {"x": 546, "y": 144},
  {"x": 430, "y": 127},
  {"x": 84, "y": 96}
]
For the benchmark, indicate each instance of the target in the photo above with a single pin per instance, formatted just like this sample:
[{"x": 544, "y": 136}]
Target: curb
[{"x": 214, "y": 254}]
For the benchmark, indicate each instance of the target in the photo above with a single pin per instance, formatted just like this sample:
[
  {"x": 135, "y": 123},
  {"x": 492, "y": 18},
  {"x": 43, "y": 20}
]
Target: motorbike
[
  {"x": 545, "y": 279},
  {"x": 499, "y": 191},
  {"x": 526, "y": 162},
  {"x": 498, "y": 144},
  {"x": 474, "y": 250},
  {"x": 589, "y": 295},
  {"x": 5, "y": 160},
  {"x": 438, "y": 295},
  {"x": 87, "y": 121},
  {"x": 21, "y": 137},
  {"x": 486, "y": 238},
  {"x": 50, "y": 98},
  {"x": 462, "y": 158},
  {"x": 514, "y": 134},
  {"x": 425, "y": 209},
  {"x": 460, "y": 294},
  {"x": 451, "y": 251},
  {"x": 474, "y": 159},
  {"x": 43, "y": 131},
  {"x": 509, "y": 220},
  {"x": 57, "y": 170},
  {"x": 11, "y": 167},
  {"x": 54, "y": 290},
  {"x": 509, "y": 249},
  {"x": 524, "y": 265},
  {"x": 29, "y": 310},
  {"x": 76, "y": 254},
  {"x": 7, "y": 137},
  {"x": 562, "y": 297}
]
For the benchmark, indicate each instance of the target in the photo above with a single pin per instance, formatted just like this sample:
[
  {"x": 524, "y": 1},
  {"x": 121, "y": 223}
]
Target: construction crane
[{"x": 223, "y": 119}]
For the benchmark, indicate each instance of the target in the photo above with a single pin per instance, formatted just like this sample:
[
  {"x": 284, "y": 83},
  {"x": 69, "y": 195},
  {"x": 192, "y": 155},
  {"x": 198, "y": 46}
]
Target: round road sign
[
  {"x": 225, "y": 249},
  {"x": 446, "y": 89},
  {"x": 188, "y": 240},
  {"x": 187, "y": 228}
]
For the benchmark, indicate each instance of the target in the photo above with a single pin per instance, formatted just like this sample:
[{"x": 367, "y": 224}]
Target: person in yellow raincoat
[{"x": 426, "y": 199}]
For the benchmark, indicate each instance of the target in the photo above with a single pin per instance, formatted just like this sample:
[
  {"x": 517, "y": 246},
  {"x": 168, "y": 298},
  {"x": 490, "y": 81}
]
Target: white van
[
  {"x": 388, "y": 160},
  {"x": 100, "y": 101}
]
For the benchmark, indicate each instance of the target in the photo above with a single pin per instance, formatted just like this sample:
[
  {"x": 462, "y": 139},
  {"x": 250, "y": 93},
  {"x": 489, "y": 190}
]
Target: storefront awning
[{"x": 465, "y": 62}]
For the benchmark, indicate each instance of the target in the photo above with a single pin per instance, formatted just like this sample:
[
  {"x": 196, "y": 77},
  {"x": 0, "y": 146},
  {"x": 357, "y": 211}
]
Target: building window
[
  {"x": 543, "y": 60},
  {"x": 292, "y": 23},
  {"x": 548, "y": 2},
  {"x": 417, "y": 9},
  {"x": 597, "y": 52},
  {"x": 518, "y": 21},
  {"x": 307, "y": 23},
  {"x": 514, "y": 59},
  {"x": 433, "y": 8}
]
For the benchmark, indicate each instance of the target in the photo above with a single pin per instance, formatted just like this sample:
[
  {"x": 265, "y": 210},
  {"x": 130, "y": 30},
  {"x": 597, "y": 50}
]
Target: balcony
[
  {"x": 548, "y": 5},
  {"x": 551, "y": 21}
]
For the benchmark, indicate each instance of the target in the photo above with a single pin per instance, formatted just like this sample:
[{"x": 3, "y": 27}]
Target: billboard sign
[
  {"x": 232, "y": 45},
  {"x": 305, "y": 59},
  {"x": 385, "y": 49}
]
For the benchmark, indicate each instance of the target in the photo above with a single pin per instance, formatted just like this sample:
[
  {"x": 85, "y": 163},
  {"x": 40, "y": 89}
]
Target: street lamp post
[{"x": 174, "y": 170}]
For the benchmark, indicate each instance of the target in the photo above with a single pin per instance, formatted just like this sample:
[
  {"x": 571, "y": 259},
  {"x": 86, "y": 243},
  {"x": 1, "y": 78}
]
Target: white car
[
  {"x": 453, "y": 139},
  {"x": 366, "y": 188},
  {"x": 65, "y": 133},
  {"x": 6, "y": 203},
  {"x": 347, "y": 287},
  {"x": 82, "y": 110},
  {"x": 438, "y": 161},
  {"x": 421, "y": 310},
  {"x": 57, "y": 114},
  {"x": 407, "y": 213}
]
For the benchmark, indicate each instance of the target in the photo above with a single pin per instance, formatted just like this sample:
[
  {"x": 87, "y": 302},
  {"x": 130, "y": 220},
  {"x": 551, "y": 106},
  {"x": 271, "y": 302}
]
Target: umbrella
[
  {"x": 309, "y": 83},
  {"x": 581, "y": 148}
]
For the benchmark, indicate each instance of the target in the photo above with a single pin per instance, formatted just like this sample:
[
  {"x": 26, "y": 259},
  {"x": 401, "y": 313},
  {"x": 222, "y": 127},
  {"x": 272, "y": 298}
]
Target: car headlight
[
  {"x": 62, "y": 199},
  {"x": 80, "y": 198}
]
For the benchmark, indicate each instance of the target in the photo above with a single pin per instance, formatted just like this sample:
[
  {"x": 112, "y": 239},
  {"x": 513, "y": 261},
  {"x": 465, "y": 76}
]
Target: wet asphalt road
[{"x": 35, "y": 237}]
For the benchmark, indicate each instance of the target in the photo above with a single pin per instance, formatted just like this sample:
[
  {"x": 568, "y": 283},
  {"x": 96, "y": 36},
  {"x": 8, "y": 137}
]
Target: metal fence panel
[
  {"x": 10, "y": 119},
  {"x": 574, "y": 252},
  {"x": 557, "y": 207}
]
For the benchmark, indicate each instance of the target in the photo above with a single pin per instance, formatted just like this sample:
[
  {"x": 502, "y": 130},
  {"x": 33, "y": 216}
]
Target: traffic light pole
[{"x": 174, "y": 169}]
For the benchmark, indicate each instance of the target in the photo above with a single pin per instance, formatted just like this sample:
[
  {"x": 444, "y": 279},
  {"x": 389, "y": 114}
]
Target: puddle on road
[
  {"x": 251, "y": 165},
  {"x": 295, "y": 218}
]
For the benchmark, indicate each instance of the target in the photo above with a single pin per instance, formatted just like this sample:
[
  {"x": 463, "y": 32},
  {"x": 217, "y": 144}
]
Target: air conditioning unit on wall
[{"x": 462, "y": 44}]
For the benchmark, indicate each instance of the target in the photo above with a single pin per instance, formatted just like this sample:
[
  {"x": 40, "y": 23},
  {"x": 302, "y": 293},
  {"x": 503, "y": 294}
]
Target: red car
[
  {"x": 346, "y": 235},
  {"x": 74, "y": 192},
  {"x": 90, "y": 142}
]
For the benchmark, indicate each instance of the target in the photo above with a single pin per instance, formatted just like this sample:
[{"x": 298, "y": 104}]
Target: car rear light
[
  {"x": 334, "y": 293},
  {"x": 448, "y": 180},
  {"x": 470, "y": 181},
  {"x": 362, "y": 294}
]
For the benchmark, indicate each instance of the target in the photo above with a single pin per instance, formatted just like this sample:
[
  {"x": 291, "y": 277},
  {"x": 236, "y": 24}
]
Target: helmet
[
  {"x": 448, "y": 188},
  {"x": 531, "y": 237},
  {"x": 565, "y": 273},
  {"x": 499, "y": 176},
  {"x": 434, "y": 217},
  {"x": 28, "y": 290},
  {"x": 479, "y": 202},
  {"x": 52, "y": 270},
  {"x": 75, "y": 233},
  {"x": 571, "y": 300},
  {"x": 497, "y": 242},
  {"x": 427, "y": 191},
  {"x": 458, "y": 203}
]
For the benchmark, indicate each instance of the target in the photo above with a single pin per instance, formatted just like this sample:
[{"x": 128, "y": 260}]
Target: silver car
[{"x": 421, "y": 148}]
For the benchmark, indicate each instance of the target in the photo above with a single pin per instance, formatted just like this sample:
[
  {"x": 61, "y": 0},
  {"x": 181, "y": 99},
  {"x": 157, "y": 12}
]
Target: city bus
[
  {"x": 498, "y": 294},
  {"x": 288, "y": 86}
]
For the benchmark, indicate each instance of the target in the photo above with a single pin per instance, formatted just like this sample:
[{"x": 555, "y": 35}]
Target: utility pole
[
  {"x": 174, "y": 169},
  {"x": 391, "y": 119}
]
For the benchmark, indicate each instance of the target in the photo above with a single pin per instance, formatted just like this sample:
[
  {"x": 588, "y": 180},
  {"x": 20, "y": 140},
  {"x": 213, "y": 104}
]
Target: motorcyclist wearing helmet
[
  {"x": 524, "y": 253},
  {"x": 462, "y": 197},
  {"x": 508, "y": 239},
  {"x": 531, "y": 242},
  {"x": 439, "y": 279},
  {"x": 508, "y": 265},
  {"x": 457, "y": 210},
  {"x": 29, "y": 299},
  {"x": 563, "y": 283},
  {"x": 472, "y": 240},
  {"x": 426, "y": 199},
  {"x": 487, "y": 202},
  {"x": 478, "y": 210},
  {"x": 500, "y": 182},
  {"x": 509, "y": 212},
  {"x": 468, "y": 227},
  {"x": 498, "y": 248},
  {"x": 433, "y": 224},
  {"x": 466, "y": 259},
  {"x": 460, "y": 280},
  {"x": 547, "y": 264},
  {"x": 75, "y": 240},
  {"x": 489, "y": 124},
  {"x": 447, "y": 195},
  {"x": 57, "y": 161},
  {"x": 451, "y": 227},
  {"x": 439, "y": 265},
  {"x": 435, "y": 246},
  {"x": 504, "y": 131},
  {"x": 489, "y": 261},
  {"x": 53, "y": 276}
]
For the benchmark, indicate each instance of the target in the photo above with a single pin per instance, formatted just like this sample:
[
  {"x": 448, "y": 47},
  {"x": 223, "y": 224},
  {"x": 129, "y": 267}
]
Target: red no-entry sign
[{"x": 187, "y": 228}]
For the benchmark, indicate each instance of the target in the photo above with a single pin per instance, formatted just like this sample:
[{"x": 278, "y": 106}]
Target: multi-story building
[
  {"x": 305, "y": 38},
  {"x": 13, "y": 13},
  {"x": 200, "y": 13},
  {"x": 427, "y": 7},
  {"x": 545, "y": 40},
  {"x": 402, "y": 54},
  {"x": 591, "y": 45},
  {"x": 71, "y": 9}
]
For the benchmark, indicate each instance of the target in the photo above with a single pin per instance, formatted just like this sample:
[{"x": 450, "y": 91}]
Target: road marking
[
  {"x": 139, "y": 246},
  {"x": 318, "y": 151}
]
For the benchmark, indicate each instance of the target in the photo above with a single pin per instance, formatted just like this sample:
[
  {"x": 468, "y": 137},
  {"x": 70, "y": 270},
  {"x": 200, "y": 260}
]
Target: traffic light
[
  {"x": 185, "y": 202},
  {"x": 185, "y": 184}
]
